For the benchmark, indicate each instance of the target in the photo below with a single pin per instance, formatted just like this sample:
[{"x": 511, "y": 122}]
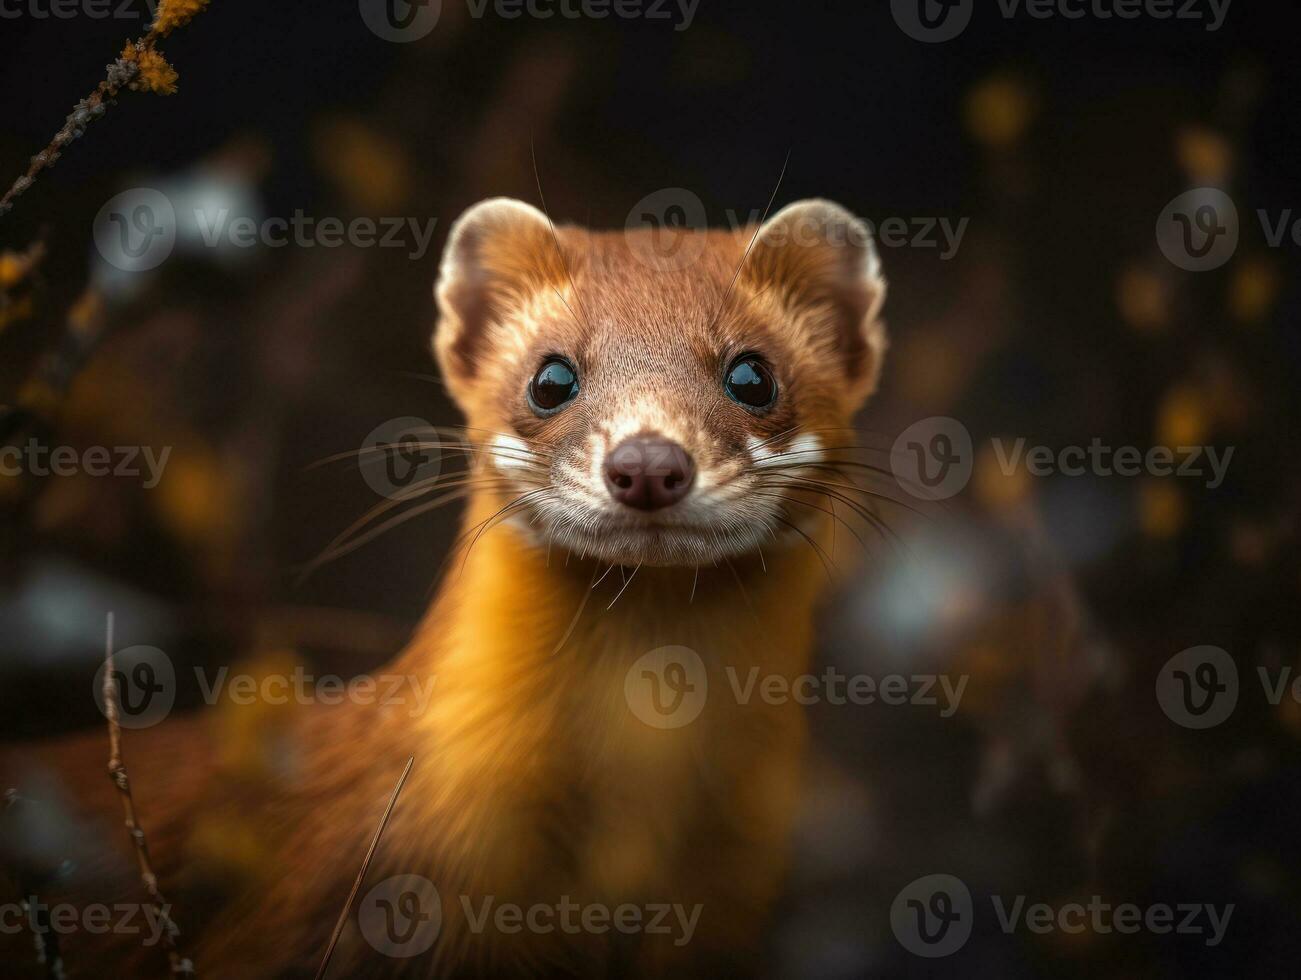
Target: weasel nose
[{"x": 649, "y": 473}]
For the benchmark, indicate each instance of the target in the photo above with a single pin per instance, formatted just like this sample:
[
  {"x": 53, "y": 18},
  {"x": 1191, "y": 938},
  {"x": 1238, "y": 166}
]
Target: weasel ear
[
  {"x": 499, "y": 253},
  {"x": 820, "y": 262}
]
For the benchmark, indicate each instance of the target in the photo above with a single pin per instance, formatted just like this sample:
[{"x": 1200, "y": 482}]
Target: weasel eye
[
  {"x": 750, "y": 382},
  {"x": 553, "y": 386}
]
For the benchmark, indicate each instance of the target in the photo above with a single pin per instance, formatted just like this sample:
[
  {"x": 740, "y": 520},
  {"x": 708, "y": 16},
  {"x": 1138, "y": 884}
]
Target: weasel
[{"x": 589, "y": 796}]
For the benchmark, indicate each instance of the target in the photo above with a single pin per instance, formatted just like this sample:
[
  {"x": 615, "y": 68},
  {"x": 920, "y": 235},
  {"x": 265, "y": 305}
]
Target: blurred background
[{"x": 1057, "y": 319}]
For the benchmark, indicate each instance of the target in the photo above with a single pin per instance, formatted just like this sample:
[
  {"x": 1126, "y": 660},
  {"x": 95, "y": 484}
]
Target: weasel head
[{"x": 640, "y": 410}]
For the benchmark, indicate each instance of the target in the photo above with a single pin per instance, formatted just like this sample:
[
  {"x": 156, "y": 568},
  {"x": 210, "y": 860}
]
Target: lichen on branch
[{"x": 140, "y": 68}]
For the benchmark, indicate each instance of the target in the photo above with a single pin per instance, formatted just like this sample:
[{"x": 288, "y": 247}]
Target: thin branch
[{"x": 180, "y": 965}]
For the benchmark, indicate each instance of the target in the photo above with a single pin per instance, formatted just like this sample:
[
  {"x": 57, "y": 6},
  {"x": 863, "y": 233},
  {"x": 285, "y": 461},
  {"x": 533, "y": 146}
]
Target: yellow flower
[
  {"x": 176, "y": 13},
  {"x": 154, "y": 73}
]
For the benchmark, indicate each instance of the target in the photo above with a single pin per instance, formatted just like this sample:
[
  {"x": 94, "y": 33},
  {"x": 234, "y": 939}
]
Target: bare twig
[
  {"x": 361, "y": 875},
  {"x": 180, "y": 965},
  {"x": 45, "y": 940}
]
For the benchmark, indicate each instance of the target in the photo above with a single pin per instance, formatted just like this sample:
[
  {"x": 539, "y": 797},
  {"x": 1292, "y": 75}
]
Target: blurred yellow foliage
[
  {"x": 1144, "y": 300},
  {"x": 369, "y": 168},
  {"x": 1162, "y": 511},
  {"x": 15, "y": 311},
  {"x": 1204, "y": 155},
  {"x": 1182, "y": 418},
  {"x": 998, "y": 490},
  {"x": 999, "y": 110},
  {"x": 199, "y": 498},
  {"x": 13, "y": 269},
  {"x": 1254, "y": 290}
]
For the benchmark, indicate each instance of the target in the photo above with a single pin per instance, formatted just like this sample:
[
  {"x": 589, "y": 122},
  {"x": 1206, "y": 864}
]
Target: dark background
[{"x": 1058, "y": 320}]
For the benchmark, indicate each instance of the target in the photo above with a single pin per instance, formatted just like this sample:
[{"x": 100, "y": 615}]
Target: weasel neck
[{"x": 508, "y": 598}]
